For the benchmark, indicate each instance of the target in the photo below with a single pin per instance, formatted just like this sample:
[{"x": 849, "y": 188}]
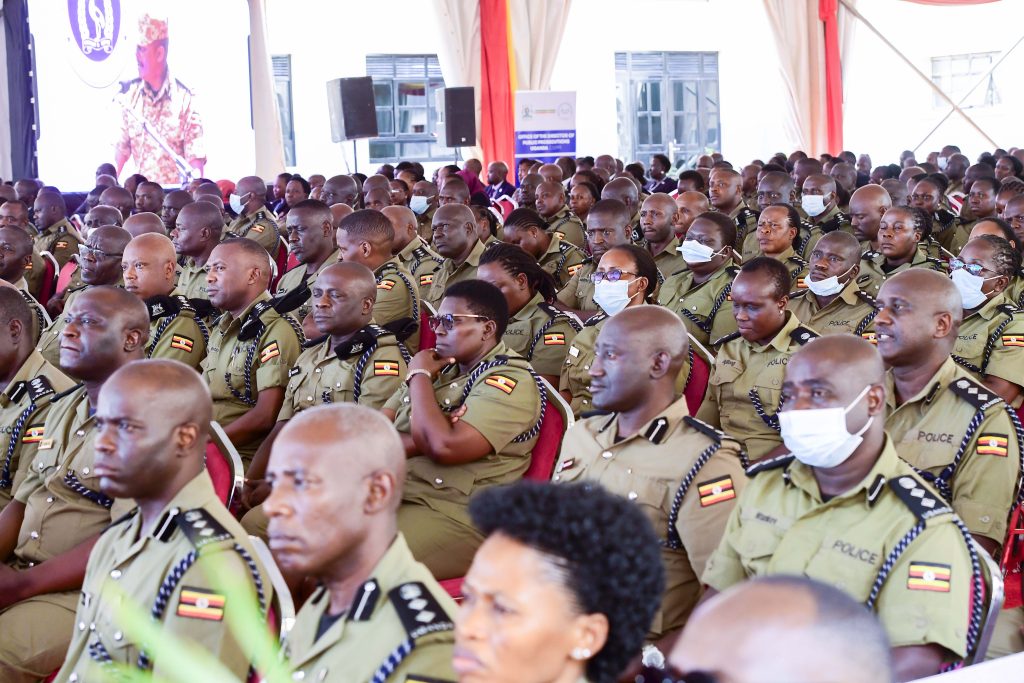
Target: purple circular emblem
[{"x": 95, "y": 24}]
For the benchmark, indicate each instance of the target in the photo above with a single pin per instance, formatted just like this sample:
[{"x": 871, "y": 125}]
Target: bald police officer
[{"x": 455, "y": 239}]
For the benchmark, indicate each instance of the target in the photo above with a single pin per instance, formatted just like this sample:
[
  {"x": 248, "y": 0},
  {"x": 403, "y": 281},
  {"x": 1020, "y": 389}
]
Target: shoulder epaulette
[
  {"x": 203, "y": 307},
  {"x": 121, "y": 520},
  {"x": 38, "y": 387},
  {"x": 745, "y": 213},
  {"x": 201, "y": 528},
  {"x": 867, "y": 298},
  {"x": 310, "y": 343},
  {"x": 936, "y": 262},
  {"x": 799, "y": 261},
  {"x": 704, "y": 428},
  {"x": 945, "y": 217},
  {"x": 917, "y": 497},
  {"x": 727, "y": 338},
  {"x": 551, "y": 310},
  {"x": 162, "y": 306},
  {"x": 594, "y": 413},
  {"x": 869, "y": 255},
  {"x": 732, "y": 270},
  {"x": 565, "y": 247},
  {"x": 1007, "y": 309},
  {"x": 358, "y": 342},
  {"x": 183, "y": 86},
  {"x": 418, "y": 610},
  {"x": 595, "y": 320},
  {"x": 253, "y": 325},
  {"x": 798, "y": 293},
  {"x": 770, "y": 464},
  {"x": 978, "y": 395},
  {"x": 801, "y": 335},
  {"x": 68, "y": 392}
]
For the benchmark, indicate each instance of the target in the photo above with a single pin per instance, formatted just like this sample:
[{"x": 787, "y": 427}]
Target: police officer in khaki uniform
[
  {"x": 927, "y": 196},
  {"x": 900, "y": 232},
  {"x": 382, "y": 619},
  {"x": 56, "y": 234},
  {"x": 15, "y": 257},
  {"x": 561, "y": 259},
  {"x": 990, "y": 342},
  {"x": 744, "y": 391},
  {"x": 352, "y": 361},
  {"x": 423, "y": 203},
  {"x": 29, "y": 384},
  {"x": 366, "y": 237},
  {"x": 607, "y": 226},
  {"x": 14, "y": 214},
  {"x": 820, "y": 201},
  {"x": 657, "y": 220},
  {"x": 148, "y": 267},
  {"x": 58, "y": 510},
  {"x": 99, "y": 264},
  {"x": 455, "y": 238},
  {"x": 956, "y": 431},
  {"x": 169, "y": 554},
  {"x": 684, "y": 474},
  {"x": 561, "y": 222},
  {"x": 843, "y": 508},
  {"x": 536, "y": 330},
  {"x": 699, "y": 293},
  {"x": 499, "y": 401},
  {"x": 832, "y": 302},
  {"x": 252, "y": 346},
  {"x": 310, "y": 232},
  {"x": 777, "y": 188},
  {"x": 777, "y": 228},
  {"x": 254, "y": 220},
  {"x": 411, "y": 250},
  {"x": 626, "y": 189},
  {"x": 725, "y": 191},
  {"x": 200, "y": 228}
]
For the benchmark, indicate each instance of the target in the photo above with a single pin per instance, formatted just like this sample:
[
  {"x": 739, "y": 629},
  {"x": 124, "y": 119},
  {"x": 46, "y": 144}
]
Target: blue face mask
[{"x": 418, "y": 204}]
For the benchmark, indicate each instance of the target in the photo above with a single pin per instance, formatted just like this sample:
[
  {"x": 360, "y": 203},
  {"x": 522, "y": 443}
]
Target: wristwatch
[{"x": 413, "y": 373}]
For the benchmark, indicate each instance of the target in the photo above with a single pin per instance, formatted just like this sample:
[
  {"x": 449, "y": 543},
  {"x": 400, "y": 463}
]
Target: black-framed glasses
[
  {"x": 447, "y": 321},
  {"x": 613, "y": 275},
  {"x": 86, "y": 251},
  {"x": 972, "y": 268}
]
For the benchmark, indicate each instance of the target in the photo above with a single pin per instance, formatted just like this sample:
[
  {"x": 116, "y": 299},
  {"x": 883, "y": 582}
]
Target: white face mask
[
  {"x": 969, "y": 287},
  {"x": 612, "y": 297},
  {"x": 418, "y": 204},
  {"x": 943, "y": 161},
  {"x": 693, "y": 251},
  {"x": 235, "y": 200},
  {"x": 818, "y": 437},
  {"x": 828, "y": 286},
  {"x": 813, "y": 204}
]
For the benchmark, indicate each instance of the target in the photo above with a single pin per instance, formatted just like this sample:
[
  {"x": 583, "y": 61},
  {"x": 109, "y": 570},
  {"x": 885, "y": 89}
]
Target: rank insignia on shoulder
[
  {"x": 1013, "y": 340},
  {"x": 506, "y": 384},
  {"x": 201, "y": 528},
  {"x": 976, "y": 394},
  {"x": 929, "y": 576},
  {"x": 716, "y": 491},
  {"x": 196, "y": 603},
  {"x": 269, "y": 352},
  {"x": 386, "y": 285},
  {"x": 992, "y": 444},
  {"x": 61, "y": 245},
  {"x": 915, "y": 496},
  {"x": 426, "y": 280},
  {"x": 770, "y": 464},
  {"x": 182, "y": 343},
  {"x": 294, "y": 371},
  {"x": 385, "y": 368},
  {"x": 554, "y": 339},
  {"x": 801, "y": 335},
  {"x": 572, "y": 270},
  {"x": 418, "y": 610}
]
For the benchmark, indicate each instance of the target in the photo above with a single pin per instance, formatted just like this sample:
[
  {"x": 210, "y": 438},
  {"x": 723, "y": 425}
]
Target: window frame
[{"x": 392, "y": 70}]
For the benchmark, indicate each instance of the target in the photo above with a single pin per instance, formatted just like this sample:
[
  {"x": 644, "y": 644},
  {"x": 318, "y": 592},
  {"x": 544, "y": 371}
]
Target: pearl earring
[{"x": 580, "y": 653}]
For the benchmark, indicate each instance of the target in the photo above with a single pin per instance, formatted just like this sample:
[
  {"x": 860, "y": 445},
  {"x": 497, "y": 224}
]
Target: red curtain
[
  {"x": 828, "y": 12},
  {"x": 496, "y": 113}
]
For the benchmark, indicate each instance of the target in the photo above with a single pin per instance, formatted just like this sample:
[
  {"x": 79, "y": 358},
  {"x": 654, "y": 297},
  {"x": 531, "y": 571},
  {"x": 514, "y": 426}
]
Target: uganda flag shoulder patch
[
  {"x": 196, "y": 603},
  {"x": 928, "y": 576},
  {"x": 572, "y": 270},
  {"x": 506, "y": 384},
  {"x": 386, "y": 285},
  {"x": 870, "y": 337},
  {"x": 992, "y": 444},
  {"x": 257, "y": 228},
  {"x": 716, "y": 491},
  {"x": 554, "y": 339},
  {"x": 801, "y": 283},
  {"x": 182, "y": 343},
  {"x": 271, "y": 350},
  {"x": 34, "y": 434},
  {"x": 385, "y": 368},
  {"x": 1013, "y": 340},
  {"x": 61, "y": 245},
  {"x": 426, "y": 280}
]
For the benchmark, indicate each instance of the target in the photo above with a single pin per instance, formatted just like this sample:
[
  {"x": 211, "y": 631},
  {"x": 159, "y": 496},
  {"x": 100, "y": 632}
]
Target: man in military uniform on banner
[{"x": 161, "y": 131}]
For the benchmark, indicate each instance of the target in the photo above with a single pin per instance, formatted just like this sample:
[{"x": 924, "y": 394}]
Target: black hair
[
  {"x": 482, "y": 298},
  {"x": 725, "y": 225},
  {"x": 14, "y": 307},
  {"x": 637, "y": 171},
  {"x": 484, "y": 211},
  {"x": 696, "y": 177},
  {"x": 524, "y": 219},
  {"x": 368, "y": 224},
  {"x": 284, "y": 176},
  {"x": 664, "y": 160},
  {"x": 613, "y": 208},
  {"x": 1018, "y": 167},
  {"x": 593, "y": 179},
  {"x": 776, "y": 270},
  {"x": 1005, "y": 257},
  {"x": 772, "y": 167},
  {"x": 604, "y": 552},
  {"x": 645, "y": 267},
  {"x": 1008, "y": 234},
  {"x": 516, "y": 261},
  {"x": 301, "y": 181},
  {"x": 922, "y": 221},
  {"x": 994, "y": 182},
  {"x": 939, "y": 180},
  {"x": 595, "y": 194},
  {"x": 405, "y": 185}
]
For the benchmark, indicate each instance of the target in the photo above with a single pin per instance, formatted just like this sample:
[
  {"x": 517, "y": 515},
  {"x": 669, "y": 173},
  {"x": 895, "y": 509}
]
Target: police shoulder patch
[
  {"x": 929, "y": 576},
  {"x": 595, "y": 320},
  {"x": 726, "y": 339},
  {"x": 418, "y": 610},
  {"x": 770, "y": 464},
  {"x": 716, "y": 491},
  {"x": 978, "y": 395},
  {"x": 801, "y": 335},
  {"x": 201, "y": 528},
  {"x": 704, "y": 428},
  {"x": 38, "y": 387},
  {"x": 918, "y": 499}
]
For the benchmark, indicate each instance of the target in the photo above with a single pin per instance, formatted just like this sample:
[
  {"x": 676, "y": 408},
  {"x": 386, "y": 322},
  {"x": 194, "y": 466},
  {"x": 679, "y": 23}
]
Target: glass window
[
  {"x": 957, "y": 76},
  {"x": 404, "y": 88},
  {"x": 282, "y": 67}
]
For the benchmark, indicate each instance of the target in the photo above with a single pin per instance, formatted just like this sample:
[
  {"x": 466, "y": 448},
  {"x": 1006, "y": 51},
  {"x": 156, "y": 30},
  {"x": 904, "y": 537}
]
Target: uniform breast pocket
[{"x": 47, "y": 456}]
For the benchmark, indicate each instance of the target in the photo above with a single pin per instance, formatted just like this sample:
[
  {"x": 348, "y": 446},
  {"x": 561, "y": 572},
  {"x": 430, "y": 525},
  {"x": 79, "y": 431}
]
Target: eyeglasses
[
  {"x": 972, "y": 268},
  {"x": 613, "y": 275},
  {"x": 86, "y": 251},
  {"x": 447, "y": 321}
]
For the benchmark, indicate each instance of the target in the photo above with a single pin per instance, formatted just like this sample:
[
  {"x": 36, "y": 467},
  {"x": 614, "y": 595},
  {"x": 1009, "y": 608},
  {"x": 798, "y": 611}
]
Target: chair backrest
[
  {"x": 64, "y": 278},
  {"x": 48, "y": 281},
  {"x": 1012, "y": 562},
  {"x": 224, "y": 465},
  {"x": 292, "y": 262},
  {"x": 281, "y": 615},
  {"x": 992, "y": 604},
  {"x": 700, "y": 375},
  {"x": 427, "y": 337},
  {"x": 453, "y": 587},
  {"x": 555, "y": 422},
  {"x": 280, "y": 263}
]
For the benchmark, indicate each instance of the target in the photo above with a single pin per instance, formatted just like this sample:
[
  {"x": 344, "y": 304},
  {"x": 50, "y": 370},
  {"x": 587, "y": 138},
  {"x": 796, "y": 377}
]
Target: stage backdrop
[{"x": 99, "y": 66}]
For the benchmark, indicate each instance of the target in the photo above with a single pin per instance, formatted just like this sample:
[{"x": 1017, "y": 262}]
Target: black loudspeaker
[
  {"x": 459, "y": 117},
  {"x": 350, "y": 104}
]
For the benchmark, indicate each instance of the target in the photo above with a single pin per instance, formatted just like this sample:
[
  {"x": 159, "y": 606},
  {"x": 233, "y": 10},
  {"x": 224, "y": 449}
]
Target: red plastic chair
[
  {"x": 224, "y": 465},
  {"x": 64, "y": 278},
  {"x": 48, "y": 281},
  {"x": 700, "y": 375},
  {"x": 427, "y": 337},
  {"x": 280, "y": 262},
  {"x": 292, "y": 262}
]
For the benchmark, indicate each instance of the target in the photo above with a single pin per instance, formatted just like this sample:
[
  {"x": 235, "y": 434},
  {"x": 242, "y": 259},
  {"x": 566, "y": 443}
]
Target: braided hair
[
  {"x": 515, "y": 261},
  {"x": 1005, "y": 258},
  {"x": 922, "y": 221}
]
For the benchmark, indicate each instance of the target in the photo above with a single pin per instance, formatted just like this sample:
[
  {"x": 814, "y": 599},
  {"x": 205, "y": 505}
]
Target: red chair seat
[
  {"x": 66, "y": 273},
  {"x": 281, "y": 260},
  {"x": 697, "y": 383},
  {"x": 549, "y": 441},
  {"x": 219, "y": 467},
  {"x": 427, "y": 337},
  {"x": 453, "y": 587},
  {"x": 48, "y": 281}
]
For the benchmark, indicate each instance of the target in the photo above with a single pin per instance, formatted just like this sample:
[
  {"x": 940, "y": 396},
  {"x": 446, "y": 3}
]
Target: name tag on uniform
[{"x": 46, "y": 444}]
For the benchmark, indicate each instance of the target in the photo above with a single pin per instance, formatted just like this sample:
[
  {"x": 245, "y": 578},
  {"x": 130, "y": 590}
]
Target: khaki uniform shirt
[
  {"x": 320, "y": 376},
  {"x": 990, "y": 342},
  {"x": 744, "y": 372},
  {"x": 171, "y": 113},
  {"x": 873, "y": 269},
  {"x": 796, "y": 266},
  {"x": 746, "y": 223},
  {"x": 234, "y": 387},
  {"x": 400, "y": 601},
  {"x": 541, "y": 334},
  {"x": 574, "y": 377},
  {"x": 24, "y": 405},
  {"x": 928, "y": 430},
  {"x": 781, "y": 525},
  {"x": 174, "y": 331},
  {"x": 297, "y": 277},
  {"x": 650, "y": 468},
  {"x": 706, "y": 308},
  {"x": 419, "y": 259},
  {"x": 566, "y": 225},
  {"x": 195, "y": 609},
  {"x": 260, "y": 227},
  {"x": 449, "y": 274},
  {"x": 503, "y": 404},
  {"x": 397, "y": 298},
  {"x": 425, "y": 224},
  {"x": 578, "y": 294},
  {"x": 60, "y": 239},
  {"x": 40, "y": 318},
  {"x": 850, "y": 312},
  {"x": 192, "y": 280},
  {"x": 562, "y": 260},
  {"x": 669, "y": 260}
]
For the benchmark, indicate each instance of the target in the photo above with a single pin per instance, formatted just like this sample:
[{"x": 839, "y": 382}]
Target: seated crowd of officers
[{"x": 856, "y": 328}]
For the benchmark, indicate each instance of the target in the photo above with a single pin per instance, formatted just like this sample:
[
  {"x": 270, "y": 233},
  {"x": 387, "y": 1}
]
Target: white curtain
[
  {"x": 847, "y": 29},
  {"x": 6, "y": 169},
  {"x": 265, "y": 116},
  {"x": 537, "y": 30},
  {"x": 458, "y": 24}
]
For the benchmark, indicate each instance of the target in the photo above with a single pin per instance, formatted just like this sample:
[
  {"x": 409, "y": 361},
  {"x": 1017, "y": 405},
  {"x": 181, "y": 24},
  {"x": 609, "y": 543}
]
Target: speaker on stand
[
  {"x": 456, "y": 117},
  {"x": 352, "y": 112}
]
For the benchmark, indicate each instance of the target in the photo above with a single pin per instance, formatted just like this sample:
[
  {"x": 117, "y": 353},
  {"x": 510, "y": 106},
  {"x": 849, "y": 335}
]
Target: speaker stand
[{"x": 355, "y": 157}]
